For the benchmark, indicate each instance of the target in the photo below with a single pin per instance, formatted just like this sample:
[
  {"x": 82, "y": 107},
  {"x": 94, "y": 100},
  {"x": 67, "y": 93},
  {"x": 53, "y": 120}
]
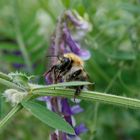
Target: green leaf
[
  {"x": 65, "y": 84},
  {"x": 48, "y": 117}
]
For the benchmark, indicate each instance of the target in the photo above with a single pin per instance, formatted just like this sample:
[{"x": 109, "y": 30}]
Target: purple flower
[
  {"x": 17, "y": 53},
  {"x": 78, "y": 21},
  {"x": 53, "y": 136},
  {"x": 74, "y": 46},
  {"x": 76, "y": 109},
  {"x": 18, "y": 66},
  {"x": 48, "y": 79},
  {"x": 44, "y": 98},
  {"x": 68, "y": 119},
  {"x": 63, "y": 42},
  {"x": 80, "y": 129},
  {"x": 72, "y": 18},
  {"x": 66, "y": 110}
]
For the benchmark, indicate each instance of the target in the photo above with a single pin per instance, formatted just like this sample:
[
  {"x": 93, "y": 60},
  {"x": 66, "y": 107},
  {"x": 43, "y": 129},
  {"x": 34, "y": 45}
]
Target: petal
[
  {"x": 76, "y": 109},
  {"x": 84, "y": 54},
  {"x": 72, "y": 137},
  {"x": 44, "y": 98},
  {"x": 68, "y": 119},
  {"x": 66, "y": 110},
  {"x": 17, "y": 53},
  {"x": 69, "y": 40},
  {"x": 73, "y": 18},
  {"x": 48, "y": 105},
  {"x": 62, "y": 135},
  {"x": 18, "y": 66},
  {"x": 80, "y": 129},
  {"x": 85, "y": 26},
  {"x": 53, "y": 136},
  {"x": 48, "y": 79},
  {"x": 76, "y": 100},
  {"x": 54, "y": 104},
  {"x": 74, "y": 46}
]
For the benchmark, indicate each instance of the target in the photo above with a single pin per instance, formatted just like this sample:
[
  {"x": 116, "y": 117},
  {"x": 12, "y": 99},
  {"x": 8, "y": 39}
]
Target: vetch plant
[
  {"x": 47, "y": 116},
  {"x": 22, "y": 93}
]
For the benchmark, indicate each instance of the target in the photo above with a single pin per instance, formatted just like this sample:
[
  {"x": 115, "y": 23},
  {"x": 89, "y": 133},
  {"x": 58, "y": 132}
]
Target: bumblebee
[{"x": 69, "y": 67}]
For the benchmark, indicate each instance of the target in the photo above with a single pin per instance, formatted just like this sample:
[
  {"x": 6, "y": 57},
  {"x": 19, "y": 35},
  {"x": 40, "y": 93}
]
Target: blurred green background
[{"x": 114, "y": 43}]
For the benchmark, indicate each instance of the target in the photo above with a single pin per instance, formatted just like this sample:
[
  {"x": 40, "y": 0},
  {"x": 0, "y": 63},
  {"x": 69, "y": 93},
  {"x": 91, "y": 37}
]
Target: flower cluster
[{"x": 64, "y": 40}]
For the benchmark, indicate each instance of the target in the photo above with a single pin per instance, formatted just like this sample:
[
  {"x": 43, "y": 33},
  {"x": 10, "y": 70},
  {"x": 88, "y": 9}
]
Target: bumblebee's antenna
[{"x": 54, "y": 56}]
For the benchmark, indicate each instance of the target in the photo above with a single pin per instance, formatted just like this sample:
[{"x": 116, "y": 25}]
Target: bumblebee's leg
[
  {"x": 75, "y": 76},
  {"x": 50, "y": 70},
  {"x": 63, "y": 72},
  {"x": 64, "y": 69},
  {"x": 54, "y": 75},
  {"x": 58, "y": 76},
  {"x": 77, "y": 91}
]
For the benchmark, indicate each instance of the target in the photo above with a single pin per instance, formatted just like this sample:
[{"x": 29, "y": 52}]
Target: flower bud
[{"x": 14, "y": 96}]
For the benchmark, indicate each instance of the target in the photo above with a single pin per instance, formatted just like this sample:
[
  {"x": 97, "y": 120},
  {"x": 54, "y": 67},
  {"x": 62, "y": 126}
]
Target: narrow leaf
[
  {"x": 65, "y": 84},
  {"x": 48, "y": 117}
]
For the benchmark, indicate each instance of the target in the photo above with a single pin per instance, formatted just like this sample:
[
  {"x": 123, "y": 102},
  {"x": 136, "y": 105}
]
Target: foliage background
[{"x": 114, "y": 43}]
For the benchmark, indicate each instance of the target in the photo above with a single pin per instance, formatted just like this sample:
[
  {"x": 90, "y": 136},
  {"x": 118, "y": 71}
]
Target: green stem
[
  {"x": 10, "y": 115},
  {"x": 90, "y": 96},
  {"x": 9, "y": 84},
  {"x": 4, "y": 76},
  {"x": 7, "y": 81}
]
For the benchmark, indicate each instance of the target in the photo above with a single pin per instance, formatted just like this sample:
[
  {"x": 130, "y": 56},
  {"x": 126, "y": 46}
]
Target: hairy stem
[{"x": 91, "y": 96}]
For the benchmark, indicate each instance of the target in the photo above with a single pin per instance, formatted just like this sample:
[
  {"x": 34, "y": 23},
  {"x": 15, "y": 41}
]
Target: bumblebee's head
[
  {"x": 63, "y": 59},
  {"x": 77, "y": 61},
  {"x": 69, "y": 58}
]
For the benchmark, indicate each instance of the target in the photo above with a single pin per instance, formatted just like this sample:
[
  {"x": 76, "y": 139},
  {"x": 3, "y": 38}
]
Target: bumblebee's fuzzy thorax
[{"x": 77, "y": 61}]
